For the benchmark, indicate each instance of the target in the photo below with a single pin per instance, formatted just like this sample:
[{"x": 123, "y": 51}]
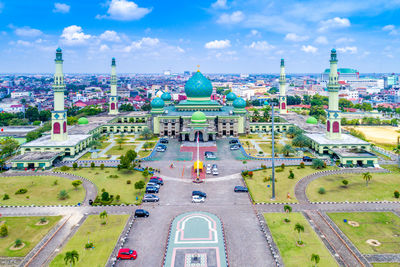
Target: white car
[
  {"x": 197, "y": 199},
  {"x": 208, "y": 169},
  {"x": 153, "y": 185},
  {"x": 215, "y": 172}
]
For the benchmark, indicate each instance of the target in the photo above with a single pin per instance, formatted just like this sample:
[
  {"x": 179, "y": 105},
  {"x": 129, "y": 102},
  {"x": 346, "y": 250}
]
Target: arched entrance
[{"x": 198, "y": 134}]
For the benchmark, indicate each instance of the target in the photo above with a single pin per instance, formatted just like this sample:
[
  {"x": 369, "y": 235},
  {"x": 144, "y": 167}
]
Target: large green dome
[
  {"x": 198, "y": 86},
  {"x": 166, "y": 96},
  {"x": 157, "y": 103},
  {"x": 231, "y": 96},
  {"x": 312, "y": 120},
  {"x": 198, "y": 117},
  {"x": 83, "y": 120},
  {"x": 239, "y": 103}
]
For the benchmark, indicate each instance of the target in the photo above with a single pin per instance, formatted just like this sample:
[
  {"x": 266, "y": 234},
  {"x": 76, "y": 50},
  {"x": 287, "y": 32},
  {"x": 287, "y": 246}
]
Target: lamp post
[{"x": 273, "y": 152}]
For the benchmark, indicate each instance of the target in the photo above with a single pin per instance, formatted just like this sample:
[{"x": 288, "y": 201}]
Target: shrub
[
  {"x": 76, "y": 183},
  {"x": 321, "y": 190},
  {"x": 55, "y": 182},
  {"x": 283, "y": 166},
  {"x": 302, "y": 165},
  {"x": 117, "y": 198},
  {"x": 286, "y": 220},
  {"x": 74, "y": 165},
  {"x": 92, "y": 165},
  {"x": 3, "y": 231},
  {"x": 105, "y": 196},
  {"x": 18, "y": 242},
  {"x": 6, "y": 196},
  {"x": 63, "y": 194},
  {"x": 396, "y": 194},
  {"x": 250, "y": 174},
  {"x": 263, "y": 166},
  {"x": 102, "y": 166},
  {"x": 21, "y": 191},
  {"x": 245, "y": 174},
  {"x": 88, "y": 245},
  {"x": 279, "y": 170},
  {"x": 345, "y": 182},
  {"x": 266, "y": 179},
  {"x": 64, "y": 168},
  {"x": 128, "y": 182},
  {"x": 139, "y": 185},
  {"x": 318, "y": 164},
  {"x": 43, "y": 220},
  {"x": 103, "y": 223},
  {"x": 291, "y": 174}
]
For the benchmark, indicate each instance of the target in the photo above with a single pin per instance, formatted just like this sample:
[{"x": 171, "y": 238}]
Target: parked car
[
  {"x": 150, "y": 184},
  {"x": 240, "y": 188},
  {"x": 156, "y": 177},
  {"x": 199, "y": 193},
  {"x": 307, "y": 159},
  {"x": 198, "y": 199},
  {"x": 164, "y": 141},
  {"x": 151, "y": 189},
  {"x": 208, "y": 169},
  {"x": 141, "y": 213},
  {"x": 215, "y": 171},
  {"x": 234, "y": 147},
  {"x": 127, "y": 254},
  {"x": 150, "y": 198},
  {"x": 156, "y": 181},
  {"x": 161, "y": 148},
  {"x": 234, "y": 141},
  {"x": 90, "y": 202},
  {"x": 214, "y": 167},
  {"x": 209, "y": 155}
]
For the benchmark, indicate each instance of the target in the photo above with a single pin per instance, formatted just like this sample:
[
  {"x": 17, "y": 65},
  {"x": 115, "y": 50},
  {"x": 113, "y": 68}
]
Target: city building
[{"x": 344, "y": 74}]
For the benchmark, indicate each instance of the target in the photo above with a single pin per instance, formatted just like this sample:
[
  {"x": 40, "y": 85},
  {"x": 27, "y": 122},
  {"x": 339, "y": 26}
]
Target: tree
[
  {"x": 146, "y": 133},
  {"x": 287, "y": 208},
  {"x": 76, "y": 183},
  {"x": 318, "y": 164},
  {"x": 74, "y": 165},
  {"x": 287, "y": 149},
  {"x": 63, "y": 194},
  {"x": 299, "y": 228},
  {"x": 72, "y": 120},
  {"x": 95, "y": 144},
  {"x": 291, "y": 174},
  {"x": 8, "y": 146},
  {"x": 18, "y": 243},
  {"x": 102, "y": 166},
  {"x": 71, "y": 257},
  {"x": 146, "y": 146},
  {"x": 33, "y": 136},
  {"x": 301, "y": 141},
  {"x": 105, "y": 196},
  {"x": 317, "y": 111},
  {"x": 315, "y": 258},
  {"x": 145, "y": 173},
  {"x": 345, "y": 183},
  {"x": 3, "y": 230},
  {"x": 367, "y": 177},
  {"x": 120, "y": 140},
  {"x": 45, "y": 115},
  {"x": 293, "y": 132},
  {"x": 103, "y": 214},
  {"x": 32, "y": 114},
  {"x": 139, "y": 185}
]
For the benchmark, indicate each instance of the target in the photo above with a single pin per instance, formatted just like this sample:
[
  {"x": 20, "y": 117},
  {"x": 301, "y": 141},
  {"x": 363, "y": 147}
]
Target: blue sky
[{"x": 222, "y": 36}]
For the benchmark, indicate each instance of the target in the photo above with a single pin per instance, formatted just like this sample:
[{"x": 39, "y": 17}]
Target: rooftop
[
  {"x": 225, "y": 111},
  {"x": 353, "y": 153},
  {"x": 36, "y": 156},
  {"x": 346, "y": 139},
  {"x": 45, "y": 141},
  {"x": 343, "y": 70}
]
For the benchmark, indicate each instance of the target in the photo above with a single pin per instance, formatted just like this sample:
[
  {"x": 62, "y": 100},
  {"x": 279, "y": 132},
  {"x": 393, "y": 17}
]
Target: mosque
[{"x": 197, "y": 117}]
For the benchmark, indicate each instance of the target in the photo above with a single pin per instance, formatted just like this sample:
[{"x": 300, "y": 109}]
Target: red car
[
  {"x": 158, "y": 178},
  {"x": 127, "y": 254}
]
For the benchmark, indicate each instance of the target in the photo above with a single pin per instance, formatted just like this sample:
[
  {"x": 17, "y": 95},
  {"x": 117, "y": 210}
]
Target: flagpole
[{"x": 198, "y": 163}]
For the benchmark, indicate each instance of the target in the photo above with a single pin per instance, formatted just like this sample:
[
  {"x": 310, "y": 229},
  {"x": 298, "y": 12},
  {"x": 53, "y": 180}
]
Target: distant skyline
[{"x": 222, "y": 36}]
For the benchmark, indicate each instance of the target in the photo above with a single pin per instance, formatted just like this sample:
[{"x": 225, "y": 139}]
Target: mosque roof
[
  {"x": 198, "y": 117},
  {"x": 312, "y": 120},
  {"x": 83, "y": 120},
  {"x": 343, "y": 70},
  {"x": 198, "y": 86},
  {"x": 239, "y": 103},
  {"x": 157, "y": 103}
]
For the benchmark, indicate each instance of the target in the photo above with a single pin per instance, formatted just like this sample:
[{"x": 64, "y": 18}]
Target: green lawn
[
  {"x": 386, "y": 264},
  {"x": 143, "y": 153},
  {"x": 261, "y": 193},
  {"x": 381, "y": 226},
  {"x": 285, "y": 238},
  {"x": 114, "y": 186},
  {"x": 267, "y": 148},
  {"x": 25, "y": 229},
  {"x": 381, "y": 187},
  {"x": 124, "y": 148},
  {"x": 36, "y": 185},
  {"x": 103, "y": 237},
  {"x": 249, "y": 136}
]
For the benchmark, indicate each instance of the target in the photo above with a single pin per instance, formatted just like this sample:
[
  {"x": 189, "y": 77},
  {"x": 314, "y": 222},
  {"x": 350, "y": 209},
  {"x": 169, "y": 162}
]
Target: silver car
[
  {"x": 150, "y": 198},
  {"x": 153, "y": 185}
]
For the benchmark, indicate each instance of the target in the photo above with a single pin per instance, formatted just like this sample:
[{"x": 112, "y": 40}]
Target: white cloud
[
  {"x": 24, "y": 43},
  {"x": 321, "y": 40},
  {"x": 295, "y": 38},
  {"x": 219, "y": 4},
  {"x": 110, "y": 36},
  {"x": 104, "y": 48},
  {"x": 344, "y": 40},
  {"x": 336, "y": 22},
  {"x": 309, "y": 49},
  {"x": 255, "y": 33},
  {"x": 74, "y": 35},
  {"x": 61, "y": 8},
  {"x": 125, "y": 10},
  {"x": 348, "y": 49},
  {"x": 180, "y": 50},
  {"x": 27, "y": 32},
  {"x": 391, "y": 29},
  {"x": 145, "y": 42},
  {"x": 218, "y": 44},
  {"x": 233, "y": 18},
  {"x": 260, "y": 46}
]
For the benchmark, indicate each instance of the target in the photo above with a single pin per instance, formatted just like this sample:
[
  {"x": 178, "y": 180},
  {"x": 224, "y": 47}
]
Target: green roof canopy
[
  {"x": 312, "y": 120},
  {"x": 83, "y": 120}
]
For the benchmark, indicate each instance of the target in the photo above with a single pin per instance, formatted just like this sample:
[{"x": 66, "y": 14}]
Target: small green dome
[
  {"x": 157, "y": 103},
  {"x": 231, "y": 96},
  {"x": 239, "y": 103},
  {"x": 266, "y": 103},
  {"x": 83, "y": 120},
  {"x": 198, "y": 86},
  {"x": 198, "y": 117},
  {"x": 312, "y": 120},
  {"x": 166, "y": 96}
]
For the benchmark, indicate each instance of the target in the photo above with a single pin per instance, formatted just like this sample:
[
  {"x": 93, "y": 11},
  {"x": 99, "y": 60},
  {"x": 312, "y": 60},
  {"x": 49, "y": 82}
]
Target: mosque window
[
  {"x": 56, "y": 128},
  {"x": 335, "y": 127},
  {"x": 65, "y": 127}
]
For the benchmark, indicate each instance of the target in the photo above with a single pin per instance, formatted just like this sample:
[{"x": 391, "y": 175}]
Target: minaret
[
  {"x": 333, "y": 128},
  {"x": 113, "y": 100},
  {"x": 59, "y": 115},
  {"x": 282, "y": 89}
]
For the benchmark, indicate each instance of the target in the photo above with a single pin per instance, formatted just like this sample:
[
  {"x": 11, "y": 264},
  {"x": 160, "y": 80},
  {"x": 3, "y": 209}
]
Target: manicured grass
[
  {"x": 124, "y": 148},
  {"x": 143, "y": 153},
  {"x": 285, "y": 238},
  {"x": 36, "y": 186},
  {"x": 25, "y": 229},
  {"x": 381, "y": 226},
  {"x": 114, "y": 186},
  {"x": 154, "y": 138},
  {"x": 386, "y": 264},
  {"x": 261, "y": 193},
  {"x": 249, "y": 136},
  {"x": 267, "y": 148},
  {"x": 381, "y": 187},
  {"x": 103, "y": 237}
]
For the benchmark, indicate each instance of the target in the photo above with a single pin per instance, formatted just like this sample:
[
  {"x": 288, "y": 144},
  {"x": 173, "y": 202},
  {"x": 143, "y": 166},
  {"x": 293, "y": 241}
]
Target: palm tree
[
  {"x": 287, "y": 149},
  {"x": 72, "y": 257},
  {"x": 299, "y": 228},
  {"x": 287, "y": 208},
  {"x": 367, "y": 177},
  {"x": 103, "y": 215},
  {"x": 315, "y": 258},
  {"x": 120, "y": 141}
]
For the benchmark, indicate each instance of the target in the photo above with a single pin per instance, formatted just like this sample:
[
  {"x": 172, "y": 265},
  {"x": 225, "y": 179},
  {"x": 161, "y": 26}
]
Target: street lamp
[{"x": 273, "y": 147}]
